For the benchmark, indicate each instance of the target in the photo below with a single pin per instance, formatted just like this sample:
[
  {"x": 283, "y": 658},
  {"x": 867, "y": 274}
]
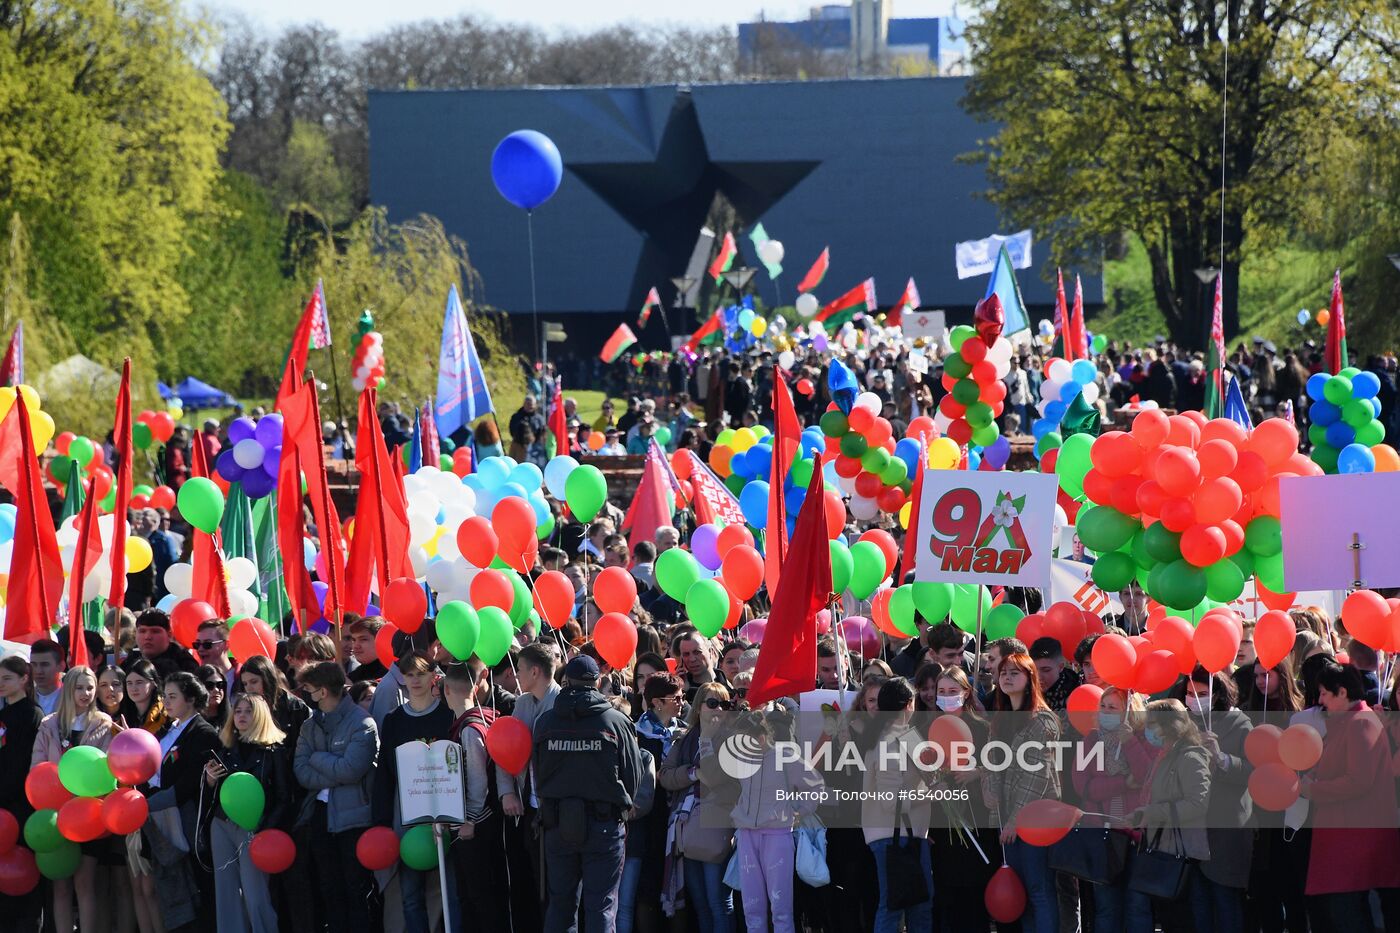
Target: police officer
[{"x": 587, "y": 771}]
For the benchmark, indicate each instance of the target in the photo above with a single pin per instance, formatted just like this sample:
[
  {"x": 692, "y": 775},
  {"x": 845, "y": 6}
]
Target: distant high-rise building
[{"x": 862, "y": 38}]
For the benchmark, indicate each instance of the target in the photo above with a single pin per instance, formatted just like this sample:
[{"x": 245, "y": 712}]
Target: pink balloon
[
  {"x": 824, "y": 622},
  {"x": 134, "y": 756},
  {"x": 752, "y": 631},
  {"x": 861, "y": 635}
]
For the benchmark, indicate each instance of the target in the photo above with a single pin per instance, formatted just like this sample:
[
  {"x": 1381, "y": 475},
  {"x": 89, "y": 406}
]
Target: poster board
[
  {"x": 990, "y": 528},
  {"x": 432, "y": 788},
  {"x": 930, "y": 325},
  {"x": 1320, "y": 514}
]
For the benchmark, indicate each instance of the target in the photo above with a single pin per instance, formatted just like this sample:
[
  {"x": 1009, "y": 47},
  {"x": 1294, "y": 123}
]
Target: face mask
[
  {"x": 1197, "y": 704},
  {"x": 950, "y": 704},
  {"x": 1153, "y": 736},
  {"x": 1110, "y": 722}
]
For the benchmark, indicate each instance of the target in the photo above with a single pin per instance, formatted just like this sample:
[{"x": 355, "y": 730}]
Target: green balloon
[
  {"x": 759, "y": 431},
  {"x": 1001, "y": 622},
  {"x": 1337, "y": 390},
  {"x": 1317, "y": 434},
  {"x": 545, "y": 528},
  {"x": 707, "y": 605},
  {"x": 109, "y": 501},
  {"x": 1049, "y": 441},
  {"x": 141, "y": 436},
  {"x": 875, "y": 459},
  {"x": 676, "y": 572},
  {"x": 1355, "y": 413},
  {"x": 1243, "y": 560},
  {"x": 841, "y": 567},
  {"x": 1351, "y": 372},
  {"x": 1162, "y": 546},
  {"x": 457, "y": 628},
  {"x": 735, "y": 483},
  {"x": 802, "y": 473},
  {"x": 495, "y": 634},
  {"x": 902, "y": 610},
  {"x": 662, "y": 435},
  {"x": 60, "y": 862},
  {"x": 1224, "y": 581},
  {"x": 966, "y": 597},
  {"x": 957, "y": 367},
  {"x": 1113, "y": 571},
  {"x": 521, "y": 603},
  {"x": 867, "y": 568},
  {"x": 1325, "y": 456},
  {"x": 1137, "y": 549},
  {"x": 895, "y": 473},
  {"x": 725, "y": 437},
  {"x": 243, "y": 799},
  {"x": 41, "y": 831},
  {"x": 960, "y": 335},
  {"x": 1181, "y": 585},
  {"x": 201, "y": 503},
  {"x": 979, "y": 414},
  {"x": 498, "y": 564},
  {"x": 1104, "y": 528},
  {"x": 141, "y": 489},
  {"x": 62, "y": 467},
  {"x": 834, "y": 424},
  {"x": 418, "y": 849},
  {"x": 83, "y": 772},
  {"x": 81, "y": 450},
  {"x": 444, "y": 463},
  {"x": 854, "y": 445},
  {"x": 1263, "y": 536},
  {"x": 585, "y": 491},
  {"x": 986, "y": 435},
  {"x": 1269, "y": 570},
  {"x": 1073, "y": 462},
  {"x": 1370, "y": 434},
  {"x": 933, "y": 600},
  {"x": 965, "y": 391},
  {"x": 1099, "y": 343}
]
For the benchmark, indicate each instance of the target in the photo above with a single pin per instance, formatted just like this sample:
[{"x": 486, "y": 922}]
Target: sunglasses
[
  {"x": 717, "y": 703},
  {"x": 670, "y": 698},
  {"x": 206, "y": 645},
  {"x": 211, "y": 687}
]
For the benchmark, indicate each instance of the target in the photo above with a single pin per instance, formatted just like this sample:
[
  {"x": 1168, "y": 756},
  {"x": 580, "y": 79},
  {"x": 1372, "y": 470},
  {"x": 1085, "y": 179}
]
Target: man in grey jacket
[{"x": 335, "y": 758}]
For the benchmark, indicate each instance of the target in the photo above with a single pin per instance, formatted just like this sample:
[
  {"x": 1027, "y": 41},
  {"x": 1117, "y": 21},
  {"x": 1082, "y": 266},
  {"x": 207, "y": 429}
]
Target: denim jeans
[
  {"x": 413, "y": 889},
  {"x": 1221, "y": 908},
  {"x": 627, "y": 893},
  {"x": 1109, "y": 903},
  {"x": 1032, "y": 865},
  {"x": 713, "y": 902},
  {"x": 1138, "y": 907},
  {"x": 917, "y": 919}
]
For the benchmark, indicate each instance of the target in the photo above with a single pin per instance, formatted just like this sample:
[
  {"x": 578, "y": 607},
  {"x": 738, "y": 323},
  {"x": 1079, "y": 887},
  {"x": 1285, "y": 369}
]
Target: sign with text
[
  {"x": 432, "y": 788},
  {"x": 993, "y": 528},
  {"x": 930, "y": 325},
  {"x": 1070, "y": 582},
  {"x": 1320, "y": 515}
]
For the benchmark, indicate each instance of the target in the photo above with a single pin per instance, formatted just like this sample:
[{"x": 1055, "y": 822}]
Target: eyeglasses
[
  {"x": 717, "y": 703},
  {"x": 211, "y": 687},
  {"x": 670, "y": 698},
  {"x": 206, "y": 645}
]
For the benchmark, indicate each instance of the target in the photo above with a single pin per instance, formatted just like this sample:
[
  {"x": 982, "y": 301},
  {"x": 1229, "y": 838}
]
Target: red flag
[
  {"x": 36, "y": 570},
  {"x": 12, "y": 364},
  {"x": 910, "y": 299},
  {"x": 787, "y": 434},
  {"x": 651, "y": 506},
  {"x": 301, "y": 424},
  {"x": 380, "y": 543},
  {"x": 703, "y": 331},
  {"x": 1062, "y": 316},
  {"x": 309, "y": 328},
  {"x": 1079, "y": 334},
  {"x": 725, "y": 258},
  {"x": 1334, "y": 358},
  {"x": 427, "y": 426},
  {"x": 89, "y": 552},
  {"x": 787, "y": 659},
  {"x": 653, "y": 300},
  {"x": 916, "y": 497},
  {"x": 207, "y": 558},
  {"x": 121, "y": 439},
  {"x": 814, "y": 275},
  {"x": 558, "y": 422}
]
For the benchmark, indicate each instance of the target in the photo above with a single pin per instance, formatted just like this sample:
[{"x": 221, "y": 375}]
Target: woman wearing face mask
[
  {"x": 1173, "y": 819},
  {"x": 961, "y": 826},
  {"x": 1210, "y": 698},
  {"x": 1114, "y": 784}
]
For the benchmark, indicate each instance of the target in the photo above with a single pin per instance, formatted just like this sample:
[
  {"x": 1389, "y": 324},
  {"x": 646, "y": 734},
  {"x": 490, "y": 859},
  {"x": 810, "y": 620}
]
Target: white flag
[{"x": 979, "y": 257}]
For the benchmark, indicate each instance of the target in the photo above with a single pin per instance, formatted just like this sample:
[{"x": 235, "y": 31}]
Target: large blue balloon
[
  {"x": 527, "y": 168},
  {"x": 753, "y": 502}
]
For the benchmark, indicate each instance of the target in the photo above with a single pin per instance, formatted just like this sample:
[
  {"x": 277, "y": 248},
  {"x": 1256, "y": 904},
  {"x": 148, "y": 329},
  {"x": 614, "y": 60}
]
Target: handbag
[
  {"x": 1157, "y": 873},
  {"x": 811, "y": 853},
  {"x": 167, "y": 823},
  {"x": 704, "y": 835},
  {"x": 906, "y": 882},
  {"x": 1097, "y": 855},
  {"x": 733, "y": 874}
]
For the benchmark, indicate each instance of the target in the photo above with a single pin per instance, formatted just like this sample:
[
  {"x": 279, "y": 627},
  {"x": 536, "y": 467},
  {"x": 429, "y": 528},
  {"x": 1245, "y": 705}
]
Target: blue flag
[
  {"x": 462, "y": 395},
  {"x": 415, "y": 446},
  {"x": 1003, "y": 285},
  {"x": 1235, "y": 408}
]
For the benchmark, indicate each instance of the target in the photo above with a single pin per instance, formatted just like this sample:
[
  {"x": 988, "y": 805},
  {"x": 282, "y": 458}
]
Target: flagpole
[{"x": 335, "y": 381}]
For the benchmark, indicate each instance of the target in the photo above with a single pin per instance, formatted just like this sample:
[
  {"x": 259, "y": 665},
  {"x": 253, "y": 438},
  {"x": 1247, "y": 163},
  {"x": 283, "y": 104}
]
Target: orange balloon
[
  {"x": 1083, "y": 708},
  {"x": 731, "y": 536},
  {"x": 1323, "y": 316},
  {"x": 1387, "y": 460},
  {"x": 1261, "y": 745},
  {"x": 1184, "y": 430},
  {"x": 1216, "y": 500},
  {"x": 615, "y": 590},
  {"x": 1046, "y": 822},
  {"x": 1223, "y": 429},
  {"x": 1215, "y": 643},
  {"x": 477, "y": 541},
  {"x": 1273, "y": 786},
  {"x": 1300, "y": 747},
  {"x": 492, "y": 588},
  {"x": 596, "y": 440},
  {"x": 616, "y": 639},
  {"x": 1218, "y": 457},
  {"x": 835, "y": 514},
  {"x": 251, "y": 637},
  {"x": 952, "y": 737},
  {"x": 1274, "y": 635},
  {"x": 1274, "y": 440},
  {"x": 719, "y": 460},
  {"x": 1115, "y": 659},
  {"x": 554, "y": 597},
  {"x": 742, "y": 569}
]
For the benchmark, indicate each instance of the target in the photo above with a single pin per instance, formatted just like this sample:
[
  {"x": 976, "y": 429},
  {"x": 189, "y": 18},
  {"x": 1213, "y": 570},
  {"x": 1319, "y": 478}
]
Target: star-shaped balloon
[
  {"x": 989, "y": 318},
  {"x": 842, "y": 384}
]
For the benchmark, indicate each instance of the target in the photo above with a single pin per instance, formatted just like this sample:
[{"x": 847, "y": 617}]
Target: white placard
[
  {"x": 432, "y": 788},
  {"x": 992, "y": 527}
]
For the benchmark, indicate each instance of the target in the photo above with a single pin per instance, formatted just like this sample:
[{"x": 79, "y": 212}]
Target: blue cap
[{"x": 581, "y": 668}]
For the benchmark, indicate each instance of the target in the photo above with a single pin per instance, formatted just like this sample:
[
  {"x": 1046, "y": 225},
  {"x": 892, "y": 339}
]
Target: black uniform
[{"x": 587, "y": 770}]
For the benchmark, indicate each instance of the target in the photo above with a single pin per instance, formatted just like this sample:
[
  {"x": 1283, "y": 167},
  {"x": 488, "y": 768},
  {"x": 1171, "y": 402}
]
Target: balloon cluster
[
  {"x": 893, "y": 609},
  {"x": 254, "y": 454},
  {"x": 87, "y": 455},
  {"x": 367, "y": 365},
  {"x": 1346, "y": 433},
  {"x": 1188, "y": 508},
  {"x": 1064, "y": 382},
  {"x": 144, "y": 496},
  {"x": 99, "y": 577},
  {"x": 241, "y": 577},
  {"x": 152, "y": 427},
  {"x": 41, "y": 426},
  {"x": 973, "y": 376}
]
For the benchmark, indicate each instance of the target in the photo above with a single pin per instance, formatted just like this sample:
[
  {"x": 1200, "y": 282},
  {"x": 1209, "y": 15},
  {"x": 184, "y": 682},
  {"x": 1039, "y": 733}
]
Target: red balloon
[
  {"x": 1217, "y": 457},
  {"x": 378, "y": 846},
  {"x": 1367, "y": 618},
  {"x": 554, "y": 597},
  {"x": 846, "y": 468},
  {"x": 1177, "y": 471},
  {"x": 162, "y": 497},
  {"x": 138, "y": 501},
  {"x": 1155, "y": 671},
  {"x": 742, "y": 571},
  {"x": 1115, "y": 659},
  {"x": 1005, "y": 897},
  {"x": 860, "y": 419},
  {"x": 615, "y": 637},
  {"x": 1150, "y": 427},
  {"x": 134, "y": 756},
  {"x": 43, "y": 789},
  {"x": 514, "y": 522},
  {"x": 1093, "y": 623},
  {"x": 1114, "y": 454},
  {"x": 508, "y": 741},
  {"x": 162, "y": 426},
  {"x": 951, "y": 407},
  {"x": 805, "y": 387},
  {"x": 404, "y": 603},
  {"x": 1250, "y": 471},
  {"x": 1274, "y": 634},
  {"x": 960, "y": 432},
  {"x": 80, "y": 819},
  {"x": 1046, "y": 822},
  {"x": 952, "y": 737},
  {"x": 1261, "y": 745},
  {"x": 1273, "y": 786},
  {"x": 1215, "y": 643},
  {"x": 989, "y": 317},
  {"x": 19, "y": 874},
  {"x": 384, "y": 643},
  {"x": 252, "y": 637},
  {"x": 1217, "y": 500},
  {"x": 124, "y": 811},
  {"x": 477, "y": 541},
  {"x": 868, "y": 485},
  {"x": 885, "y": 542},
  {"x": 1098, "y": 487},
  {"x": 1274, "y": 440},
  {"x": 891, "y": 499},
  {"x": 1150, "y": 497},
  {"x": 615, "y": 590},
  {"x": 1183, "y": 431},
  {"x": 736, "y": 611},
  {"x": 1030, "y": 628},
  {"x": 734, "y": 535},
  {"x": 835, "y": 513},
  {"x": 921, "y": 426},
  {"x": 1300, "y": 747},
  {"x": 1083, "y": 707},
  {"x": 879, "y": 432},
  {"x": 492, "y": 588},
  {"x": 272, "y": 851},
  {"x": 9, "y": 831},
  {"x": 1202, "y": 545},
  {"x": 186, "y": 617},
  {"x": 1064, "y": 622}
]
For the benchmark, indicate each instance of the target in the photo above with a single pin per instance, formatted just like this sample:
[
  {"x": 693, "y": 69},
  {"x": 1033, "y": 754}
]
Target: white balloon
[
  {"x": 92, "y": 585},
  {"x": 941, "y": 422},
  {"x": 178, "y": 579},
  {"x": 243, "y": 603},
  {"x": 863, "y": 509},
  {"x": 806, "y": 304},
  {"x": 446, "y": 486},
  {"x": 1041, "y": 405},
  {"x": 7, "y": 550},
  {"x": 467, "y": 500},
  {"x": 242, "y": 573},
  {"x": 1090, "y": 391},
  {"x": 556, "y": 474},
  {"x": 847, "y": 484},
  {"x": 1061, "y": 371},
  {"x": 786, "y": 359},
  {"x": 1000, "y": 350},
  {"x": 357, "y": 384},
  {"x": 441, "y": 574},
  {"x": 1003, "y": 368},
  {"x": 1050, "y": 390},
  {"x": 421, "y": 525},
  {"x": 248, "y": 453},
  {"x": 447, "y": 544},
  {"x": 869, "y": 401},
  {"x": 419, "y": 559},
  {"x": 771, "y": 252},
  {"x": 424, "y": 501}
]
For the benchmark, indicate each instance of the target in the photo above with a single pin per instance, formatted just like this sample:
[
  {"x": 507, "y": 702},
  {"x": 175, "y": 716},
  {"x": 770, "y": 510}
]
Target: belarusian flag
[
  {"x": 725, "y": 259},
  {"x": 621, "y": 339},
  {"x": 861, "y": 298},
  {"x": 1334, "y": 359},
  {"x": 711, "y": 326},
  {"x": 909, "y": 300},
  {"x": 814, "y": 275},
  {"x": 1060, "y": 347},
  {"x": 1215, "y": 358},
  {"x": 653, "y": 301},
  {"x": 1079, "y": 335}
]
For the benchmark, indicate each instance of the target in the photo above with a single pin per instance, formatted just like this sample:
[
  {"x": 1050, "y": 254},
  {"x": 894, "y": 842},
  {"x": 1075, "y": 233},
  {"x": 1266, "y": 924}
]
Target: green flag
[
  {"x": 73, "y": 494},
  {"x": 274, "y": 605},
  {"x": 237, "y": 529}
]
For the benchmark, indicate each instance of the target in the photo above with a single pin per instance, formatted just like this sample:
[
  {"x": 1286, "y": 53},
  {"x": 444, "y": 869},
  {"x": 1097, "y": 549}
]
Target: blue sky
[{"x": 361, "y": 18}]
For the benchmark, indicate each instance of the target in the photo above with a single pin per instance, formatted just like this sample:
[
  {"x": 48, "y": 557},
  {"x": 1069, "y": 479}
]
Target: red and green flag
[
  {"x": 652, "y": 303},
  {"x": 1078, "y": 333},
  {"x": 860, "y": 299},
  {"x": 909, "y": 301},
  {"x": 1215, "y": 357},
  {"x": 727, "y": 251},
  {"x": 1060, "y": 347},
  {"x": 814, "y": 275},
  {"x": 1335, "y": 357},
  {"x": 705, "y": 331},
  {"x": 617, "y": 344}
]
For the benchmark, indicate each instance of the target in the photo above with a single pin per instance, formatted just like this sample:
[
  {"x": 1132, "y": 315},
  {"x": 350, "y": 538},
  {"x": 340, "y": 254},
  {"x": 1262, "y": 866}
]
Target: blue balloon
[
  {"x": 1054, "y": 412},
  {"x": 7, "y": 522},
  {"x": 1316, "y": 383},
  {"x": 760, "y": 459},
  {"x": 167, "y": 602},
  {"x": 1041, "y": 427},
  {"x": 1068, "y": 392},
  {"x": 813, "y": 442},
  {"x": 974, "y": 458},
  {"x": 753, "y": 502},
  {"x": 1356, "y": 458},
  {"x": 1082, "y": 372},
  {"x": 1375, "y": 405},
  {"x": 473, "y": 482},
  {"x": 494, "y": 472},
  {"x": 527, "y": 168},
  {"x": 540, "y": 507},
  {"x": 511, "y": 489},
  {"x": 739, "y": 464},
  {"x": 1340, "y": 434},
  {"x": 829, "y": 474},
  {"x": 745, "y": 318},
  {"x": 1324, "y": 413},
  {"x": 371, "y": 611},
  {"x": 793, "y": 499},
  {"x": 527, "y": 475},
  {"x": 1365, "y": 385},
  {"x": 907, "y": 449}
]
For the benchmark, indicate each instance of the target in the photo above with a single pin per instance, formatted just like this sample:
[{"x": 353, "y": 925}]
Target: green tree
[
  {"x": 1109, "y": 116},
  {"x": 309, "y": 175}
]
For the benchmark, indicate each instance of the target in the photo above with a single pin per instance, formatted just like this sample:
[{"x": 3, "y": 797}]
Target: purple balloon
[
  {"x": 256, "y": 484},
  {"x": 321, "y": 625},
  {"x": 269, "y": 431},
  {"x": 272, "y": 462},
  {"x": 227, "y": 466},
  {"x": 704, "y": 544},
  {"x": 371, "y": 610},
  {"x": 998, "y": 454},
  {"x": 241, "y": 429},
  {"x": 320, "y": 589},
  {"x": 752, "y": 631},
  {"x": 861, "y": 636}
]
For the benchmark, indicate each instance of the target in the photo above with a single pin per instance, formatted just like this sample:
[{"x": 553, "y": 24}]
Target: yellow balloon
[
  {"x": 943, "y": 454},
  {"x": 41, "y": 428},
  {"x": 7, "y": 400},
  {"x": 743, "y": 440},
  {"x": 758, "y": 327},
  {"x": 138, "y": 555},
  {"x": 31, "y": 398},
  {"x": 431, "y": 546},
  {"x": 904, "y": 511}
]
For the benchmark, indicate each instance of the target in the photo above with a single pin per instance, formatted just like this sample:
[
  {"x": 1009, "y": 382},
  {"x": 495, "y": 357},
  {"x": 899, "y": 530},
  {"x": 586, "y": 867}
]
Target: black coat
[
  {"x": 182, "y": 769},
  {"x": 272, "y": 766},
  {"x": 19, "y": 724},
  {"x": 172, "y": 659}
]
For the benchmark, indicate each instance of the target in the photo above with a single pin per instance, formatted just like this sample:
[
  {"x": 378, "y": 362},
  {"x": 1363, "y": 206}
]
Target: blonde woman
[
  {"x": 252, "y": 744},
  {"x": 77, "y": 721}
]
